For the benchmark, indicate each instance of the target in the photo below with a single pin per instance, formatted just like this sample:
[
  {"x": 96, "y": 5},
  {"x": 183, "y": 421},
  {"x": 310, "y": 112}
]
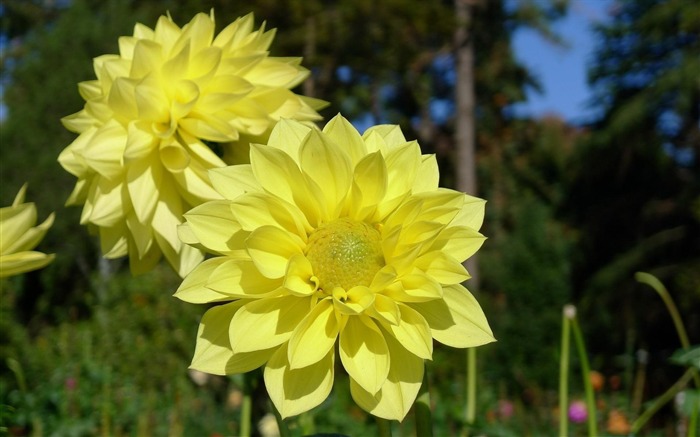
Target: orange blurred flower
[
  {"x": 597, "y": 380},
  {"x": 617, "y": 423}
]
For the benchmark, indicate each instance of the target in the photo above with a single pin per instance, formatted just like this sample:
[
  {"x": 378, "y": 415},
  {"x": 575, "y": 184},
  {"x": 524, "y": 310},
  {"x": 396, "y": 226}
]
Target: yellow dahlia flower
[
  {"x": 140, "y": 157},
  {"x": 19, "y": 235},
  {"x": 331, "y": 238}
]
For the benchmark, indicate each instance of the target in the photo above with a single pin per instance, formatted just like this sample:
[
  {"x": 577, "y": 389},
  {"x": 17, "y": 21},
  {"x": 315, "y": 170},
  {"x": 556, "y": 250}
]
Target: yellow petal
[
  {"x": 240, "y": 279},
  {"x": 395, "y": 398},
  {"x": 428, "y": 176},
  {"x": 412, "y": 332},
  {"x": 369, "y": 186},
  {"x": 357, "y": 300},
  {"x": 14, "y": 222},
  {"x": 299, "y": 279},
  {"x": 402, "y": 165},
  {"x": 104, "y": 153},
  {"x": 194, "y": 287},
  {"x": 390, "y": 133},
  {"x": 287, "y": 135},
  {"x": 472, "y": 213},
  {"x": 294, "y": 391},
  {"x": 213, "y": 352},
  {"x": 108, "y": 206},
  {"x": 442, "y": 267},
  {"x": 364, "y": 353},
  {"x": 232, "y": 181},
  {"x": 27, "y": 240},
  {"x": 343, "y": 133},
  {"x": 279, "y": 174},
  {"x": 254, "y": 210},
  {"x": 416, "y": 287},
  {"x": 16, "y": 263},
  {"x": 460, "y": 242},
  {"x": 266, "y": 323},
  {"x": 386, "y": 309},
  {"x": 213, "y": 224},
  {"x": 328, "y": 166},
  {"x": 143, "y": 181},
  {"x": 270, "y": 248},
  {"x": 457, "y": 320},
  {"x": 315, "y": 336}
]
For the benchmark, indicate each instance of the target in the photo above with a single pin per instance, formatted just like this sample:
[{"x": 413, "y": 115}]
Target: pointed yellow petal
[
  {"x": 314, "y": 337},
  {"x": 413, "y": 332},
  {"x": 457, "y": 320},
  {"x": 442, "y": 267},
  {"x": 287, "y": 135},
  {"x": 270, "y": 248},
  {"x": 369, "y": 186},
  {"x": 232, "y": 181},
  {"x": 16, "y": 263},
  {"x": 296, "y": 391},
  {"x": 398, "y": 393},
  {"x": 213, "y": 224},
  {"x": 428, "y": 176},
  {"x": 364, "y": 353},
  {"x": 328, "y": 166},
  {"x": 240, "y": 279},
  {"x": 299, "y": 278},
  {"x": 194, "y": 287},
  {"x": 266, "y": 323},
  {"x": 346, "y": 136},
  {"x": 213, "y": 349},
  {"x": 254, "y": 210},
  {"x": 143, "y": 179}
]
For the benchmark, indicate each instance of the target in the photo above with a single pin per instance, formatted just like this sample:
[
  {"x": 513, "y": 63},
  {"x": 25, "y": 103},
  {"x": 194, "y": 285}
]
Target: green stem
[
  {"x": 281, "y": 424},
  {"x": 585, "y": 372},
  {"x": 421, "y": 411},
  {"x": 564, "y": 374},
  {"x": 246, "y": 406},
  {"x": 693, "y": 422},
  {"x": 384, "y": 427},
  {"x": 654, "y": 283},
  {"x": 471, "y": 386},
  {"x": 661, "y": 401}
]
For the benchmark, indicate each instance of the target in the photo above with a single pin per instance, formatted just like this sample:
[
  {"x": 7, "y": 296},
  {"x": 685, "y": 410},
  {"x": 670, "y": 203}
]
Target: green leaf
[{"x": 687, "y": 357}]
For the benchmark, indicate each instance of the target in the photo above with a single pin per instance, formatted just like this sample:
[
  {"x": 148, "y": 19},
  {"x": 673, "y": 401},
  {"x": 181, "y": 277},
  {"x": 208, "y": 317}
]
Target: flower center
[{"x": 345, "y": 253}]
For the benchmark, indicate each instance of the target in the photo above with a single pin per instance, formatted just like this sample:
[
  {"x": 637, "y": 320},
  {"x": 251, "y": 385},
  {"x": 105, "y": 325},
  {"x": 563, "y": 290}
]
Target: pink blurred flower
[
  {"x": 505, "y": 408},
  {"x": 578, "y": 412}
]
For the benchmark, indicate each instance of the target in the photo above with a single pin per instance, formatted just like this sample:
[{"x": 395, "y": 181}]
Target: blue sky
[{"x": 562, "y": 70}]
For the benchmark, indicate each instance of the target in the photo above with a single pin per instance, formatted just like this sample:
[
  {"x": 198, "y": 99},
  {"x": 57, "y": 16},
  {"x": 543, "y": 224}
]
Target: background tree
[{"x": 635, "y": 184}]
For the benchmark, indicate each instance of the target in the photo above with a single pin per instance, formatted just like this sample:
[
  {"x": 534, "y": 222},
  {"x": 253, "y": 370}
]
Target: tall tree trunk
[
  {"x": 465, "y": 136},
  {"x": 309, "y": 85}
]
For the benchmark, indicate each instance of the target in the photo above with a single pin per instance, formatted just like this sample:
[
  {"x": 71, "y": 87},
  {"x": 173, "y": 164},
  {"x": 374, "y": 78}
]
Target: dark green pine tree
[{"x": 635, "y": 193}]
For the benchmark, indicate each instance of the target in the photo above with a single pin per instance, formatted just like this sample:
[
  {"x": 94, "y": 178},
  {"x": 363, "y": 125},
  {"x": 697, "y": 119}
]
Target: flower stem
[
  {"x": 384, "y": 427},
  {"x": 661, "y": 401},
  {"x": 421, "y": 410},
  {"x": 654, "y": 283},
  {"x": 470, "y": 414},
  {"x": 246, "y": 406},
  {"x": 564, "y": 374},
  {"x": 585, "y": 372},
  {"x": 281, "y": 424}
]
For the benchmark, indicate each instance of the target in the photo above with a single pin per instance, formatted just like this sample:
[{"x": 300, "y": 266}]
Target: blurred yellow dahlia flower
[
  {"x": 19, "y": 235},
  {"x": 140, "y": 158},
  {"x": 328, "y": 237}
]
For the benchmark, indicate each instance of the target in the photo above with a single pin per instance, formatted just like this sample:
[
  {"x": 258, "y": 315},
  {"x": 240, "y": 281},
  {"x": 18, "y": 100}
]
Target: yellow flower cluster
[
  {"x": 19, "y": 235},
  {"x": 140, "y": 158},
  {"x": 332, "y": 242}
]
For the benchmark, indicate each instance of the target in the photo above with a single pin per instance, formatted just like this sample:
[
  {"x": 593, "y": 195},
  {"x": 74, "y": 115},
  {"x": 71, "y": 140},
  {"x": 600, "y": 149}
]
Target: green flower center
[{"x": 345, "y": 253}]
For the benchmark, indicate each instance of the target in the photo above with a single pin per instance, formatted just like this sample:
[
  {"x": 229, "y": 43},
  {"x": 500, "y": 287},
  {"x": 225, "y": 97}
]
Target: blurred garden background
[{"x": 574, "y": 210}]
